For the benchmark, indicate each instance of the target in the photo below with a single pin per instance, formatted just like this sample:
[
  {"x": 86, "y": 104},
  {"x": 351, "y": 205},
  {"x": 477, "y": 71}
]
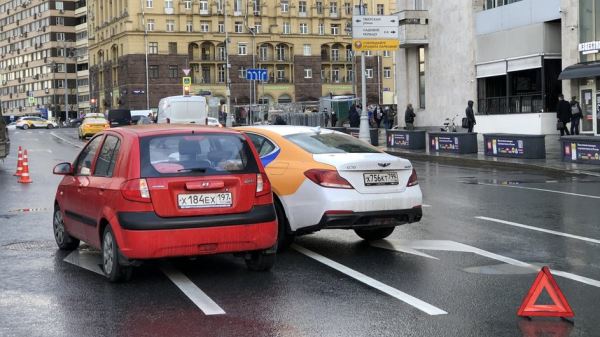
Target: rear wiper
[{"x": 193, "y": 169}]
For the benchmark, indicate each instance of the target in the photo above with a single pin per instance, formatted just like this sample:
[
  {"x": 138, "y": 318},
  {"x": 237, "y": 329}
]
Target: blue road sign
[{"x": 257, "y": 75}]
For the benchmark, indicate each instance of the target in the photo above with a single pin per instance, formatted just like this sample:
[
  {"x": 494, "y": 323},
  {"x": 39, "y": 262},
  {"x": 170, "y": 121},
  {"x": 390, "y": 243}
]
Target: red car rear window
[{"x": 195, "y": 154}]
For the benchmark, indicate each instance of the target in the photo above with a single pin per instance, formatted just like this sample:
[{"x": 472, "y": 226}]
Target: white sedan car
[{"x": 327, "y": 179}]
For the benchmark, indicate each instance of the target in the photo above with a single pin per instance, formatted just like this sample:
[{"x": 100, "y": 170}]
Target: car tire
[
  {"x": 113, "y": 270},
  {"x": 25, "y": 126},
  {"x": 372, "y": 234},
  {"x": 260, "y": 261},
  {"x": 64, "y": 241},
  {"x": 284, "y": 237}
]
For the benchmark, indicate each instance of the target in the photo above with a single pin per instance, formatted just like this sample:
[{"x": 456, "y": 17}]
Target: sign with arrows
[
  {"x": 257, "y": 75},
  {"x": 375, "y": 21},
  {"x": 375, "y": 32}
]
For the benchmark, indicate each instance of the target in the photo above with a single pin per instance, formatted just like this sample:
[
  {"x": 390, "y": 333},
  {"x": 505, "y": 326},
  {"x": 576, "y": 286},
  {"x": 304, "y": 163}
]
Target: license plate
[
  {"x": 374, "y": 179},
  {"x": 204, "y": 200}
]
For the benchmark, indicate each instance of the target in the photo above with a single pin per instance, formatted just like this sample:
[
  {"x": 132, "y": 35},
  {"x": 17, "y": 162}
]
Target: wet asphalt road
[{"x": 465, "y": 275}]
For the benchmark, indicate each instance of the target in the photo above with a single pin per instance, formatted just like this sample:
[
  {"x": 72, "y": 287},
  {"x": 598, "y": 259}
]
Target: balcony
[
  {"x": 284, "y": 59},
  {"x": 414, "y": 28}
]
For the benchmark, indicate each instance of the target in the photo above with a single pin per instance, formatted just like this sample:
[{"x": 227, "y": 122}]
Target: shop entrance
[{"x": 589, "y": 107}]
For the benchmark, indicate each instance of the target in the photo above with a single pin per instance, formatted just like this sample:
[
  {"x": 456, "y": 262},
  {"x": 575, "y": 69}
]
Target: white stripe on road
[
  {"x": 195, "y": 294},
  {"x": 404, "y": 297},
  {"x": 88, "y": 260},
  {"x": 549, "y": 231},
  {"x": 543, "y": 190},
  {"x": 425, "y": 205},
  {"x": 66, "y": 140}
]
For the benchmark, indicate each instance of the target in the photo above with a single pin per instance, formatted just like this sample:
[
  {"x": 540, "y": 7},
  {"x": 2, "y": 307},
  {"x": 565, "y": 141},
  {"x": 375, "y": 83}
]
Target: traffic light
[
  {"x": 93, "y": 101},
  {"x": 186, "y": 90}
]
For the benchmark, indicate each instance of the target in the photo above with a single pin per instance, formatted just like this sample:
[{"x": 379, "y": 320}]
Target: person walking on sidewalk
[
  {"x": 470, "y": 116},
  {"x": 563, "y": 114},
  {"x": 378, "y": 115},
  {"x": 409, "y": 117},
  {"x": 353, "y": 116},
  {"x": 577, "y": 114}
]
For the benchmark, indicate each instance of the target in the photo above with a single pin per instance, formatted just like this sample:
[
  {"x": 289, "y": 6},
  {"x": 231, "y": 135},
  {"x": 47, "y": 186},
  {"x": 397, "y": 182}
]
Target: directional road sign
[
  {"x": 187, "y": 81},
  {"x": 375, "y": 32},
  {"x": 257, "y": 75},
  {"x": 375, "y": 21}
]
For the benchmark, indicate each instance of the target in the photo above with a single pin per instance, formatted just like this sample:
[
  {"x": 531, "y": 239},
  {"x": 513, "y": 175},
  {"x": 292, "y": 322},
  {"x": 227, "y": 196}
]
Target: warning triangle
[{"x": 545, "y": 281}]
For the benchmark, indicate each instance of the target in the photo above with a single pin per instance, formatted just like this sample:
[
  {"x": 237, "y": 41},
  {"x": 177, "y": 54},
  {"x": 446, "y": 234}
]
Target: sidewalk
[{"x": 552, "y": 164}]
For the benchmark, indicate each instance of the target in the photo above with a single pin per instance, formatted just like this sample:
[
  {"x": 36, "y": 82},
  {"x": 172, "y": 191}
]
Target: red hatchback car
[{"x": 158, "y": 191}]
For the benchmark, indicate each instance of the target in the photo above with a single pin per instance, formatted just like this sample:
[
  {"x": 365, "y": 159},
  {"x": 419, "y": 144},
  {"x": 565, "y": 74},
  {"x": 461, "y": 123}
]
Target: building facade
[
  {"x": 81, "y": 58},
  {"x": 37, "y": 72},
  {"x": 305, "y": 47}
]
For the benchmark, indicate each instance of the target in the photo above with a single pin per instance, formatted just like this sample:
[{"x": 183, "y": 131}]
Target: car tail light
[
  {"x": 136, "y": 190},
  {"x": 262, "y": 185},
  {"x": 412, "y": 181},
  {"x": 327, "y": 178}
]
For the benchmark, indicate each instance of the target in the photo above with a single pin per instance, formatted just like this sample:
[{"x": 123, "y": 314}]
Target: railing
[
  {"x": 511, "y": 104},
  {"x": 328, "y": 58},
  {"x": 274, "y": 58}
]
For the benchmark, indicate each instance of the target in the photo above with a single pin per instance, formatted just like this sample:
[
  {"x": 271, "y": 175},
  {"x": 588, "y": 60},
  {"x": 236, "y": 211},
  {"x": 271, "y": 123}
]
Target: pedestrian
[
  {"x": 386, "y": 118},
  {"x": 470, "y": 116},
  {"x": 577, "y": 115},
  {"x": 378, "y": 115},
  {"x": 334, "y": 118},
  {"x": 326, "y": 117},
  {"x": 353, "y": 116},
  {"x": 563, "y": 115},
  {"x": 409, "y": 117},
  {"x": 279, "y": 121}
]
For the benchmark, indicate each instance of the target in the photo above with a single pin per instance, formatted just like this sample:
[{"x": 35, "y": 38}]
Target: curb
[{"x": 472, "y": 162}]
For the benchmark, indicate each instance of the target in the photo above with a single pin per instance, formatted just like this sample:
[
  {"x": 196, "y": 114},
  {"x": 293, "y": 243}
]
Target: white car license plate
[
  {"x": 204, "y": 200},
  {"x": 374, "y": 179}
]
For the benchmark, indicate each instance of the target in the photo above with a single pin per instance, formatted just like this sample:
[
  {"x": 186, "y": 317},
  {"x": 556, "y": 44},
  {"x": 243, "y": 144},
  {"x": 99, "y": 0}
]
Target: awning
[{"x": 581, "y": 70}]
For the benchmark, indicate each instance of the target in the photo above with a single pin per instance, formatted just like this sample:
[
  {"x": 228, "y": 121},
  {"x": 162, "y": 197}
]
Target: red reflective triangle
[{"x": 560, "y": 308}]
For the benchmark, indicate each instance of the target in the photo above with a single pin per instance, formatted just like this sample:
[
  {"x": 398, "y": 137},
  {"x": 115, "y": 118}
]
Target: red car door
[{"x": 75, "y": 190}]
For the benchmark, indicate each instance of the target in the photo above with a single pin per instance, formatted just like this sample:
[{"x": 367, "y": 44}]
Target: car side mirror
[{"x": 63, "y": 169}]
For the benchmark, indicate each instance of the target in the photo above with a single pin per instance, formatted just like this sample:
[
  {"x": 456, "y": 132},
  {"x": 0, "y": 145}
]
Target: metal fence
[
  {"x": 512, "y": 104},
  {"x": 300, "y": 113}
]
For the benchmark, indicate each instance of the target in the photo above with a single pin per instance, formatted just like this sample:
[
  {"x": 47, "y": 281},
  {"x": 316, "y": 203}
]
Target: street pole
[
  {"x": 229, "y": 119},
  {"x": 364, "y": 132},
  {"x": 66, "y": 85},
  {"x": 146, "y": 54}
]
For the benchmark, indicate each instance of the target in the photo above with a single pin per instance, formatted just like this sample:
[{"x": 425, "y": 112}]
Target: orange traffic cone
[
  {"x": 19, "y": 163},
  {"x": 24, "y": 177}
]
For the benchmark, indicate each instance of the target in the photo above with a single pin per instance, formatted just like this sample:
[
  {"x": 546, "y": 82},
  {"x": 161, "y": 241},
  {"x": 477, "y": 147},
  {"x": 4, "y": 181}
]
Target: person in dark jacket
[
  {"x": 279, "y": 121},
  {"x": 354, "y": 117},
  {"x": 563, "y": 114},
  {"x": 409, "y": 117},
  {"x": 577, "y": 115},
  {"x": 378, "y": 115},
  {"x": 470, "y": 116}
]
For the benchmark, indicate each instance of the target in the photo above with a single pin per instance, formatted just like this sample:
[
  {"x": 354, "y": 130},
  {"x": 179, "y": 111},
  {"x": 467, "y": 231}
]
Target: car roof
[
  {"x": 285, "y": 130},
  {"x": 165, "y": 129}
]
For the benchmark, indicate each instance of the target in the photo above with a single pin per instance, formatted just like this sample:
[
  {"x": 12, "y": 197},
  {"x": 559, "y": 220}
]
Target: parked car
[
  {"x": 35, "y": 122},
  {"x": 11, "y": 126},
  {"x": 182, "y": 109},
  {"x": 119, "y": 117},
  {"x": 157, "y": 191},
  {"x": 211, "y": 121},
  {"x": 327, "y": 179},
  {"x": 91, "y": 126},
  {"x": 140, "y": 120}
]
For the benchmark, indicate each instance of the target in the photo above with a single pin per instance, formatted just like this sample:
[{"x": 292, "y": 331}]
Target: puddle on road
[
  {"x": 500, "y": 269},
  {"x": 504, "y": 182}
]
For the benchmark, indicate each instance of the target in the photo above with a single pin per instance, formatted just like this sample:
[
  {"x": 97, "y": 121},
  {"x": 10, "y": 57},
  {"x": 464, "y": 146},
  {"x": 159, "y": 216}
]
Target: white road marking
[
  {"x": 200, "y": 299},
  {"x": 404, "y": 297},
  {"x": 446, "y": 245},
  {"x": 87, "y": 260},
  {"x": 543, "y": 190},
  {"x": 66, "y": 140},
  {"x": 549, "y": 231},
  {"x": 425, "y": 205}
]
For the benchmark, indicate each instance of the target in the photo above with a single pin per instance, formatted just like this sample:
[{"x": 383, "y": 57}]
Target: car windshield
[
  {"x": 195, "y": 154},
  {"x": 94, "y": 121},
  {"x": 330, "y": 142}
]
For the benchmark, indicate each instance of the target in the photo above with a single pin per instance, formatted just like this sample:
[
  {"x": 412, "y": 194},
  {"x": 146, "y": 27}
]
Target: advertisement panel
[
  {"x": 444, "y": 143},
  {"x": 584, "y": 152},
  {"x": 504, "y": 147}
]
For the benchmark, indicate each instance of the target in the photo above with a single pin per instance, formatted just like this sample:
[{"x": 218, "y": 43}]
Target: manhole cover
[{"x": 30, "y": 245}]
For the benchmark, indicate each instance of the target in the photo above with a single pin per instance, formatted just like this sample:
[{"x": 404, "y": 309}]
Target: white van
[{"x": 182, "y": 109}]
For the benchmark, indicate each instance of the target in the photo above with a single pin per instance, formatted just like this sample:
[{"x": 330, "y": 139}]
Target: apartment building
[
  {"x": 81, "y": 58},
  {"x": 37, "y": 70},
  {"x": 139, "y": 49}
]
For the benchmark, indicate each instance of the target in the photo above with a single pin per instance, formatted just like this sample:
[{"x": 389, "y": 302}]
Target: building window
[
  {"x": 286, "y": 28},
  {"x": 386, "y": 53},
  {"x": 152, "y": 47},
  {"x": 368, "y": 53},
  {"x": 257, "y": 28},
  {"x": 153, "y": 72},
  {"x": 60, "y": 20},
  {"x": 280, "y": 75},
  {"x": 188, "y": 4},
  {"x": 168, "y": 3},
  {"x": 203, "y": 6},
  {"x": 422, "y": 78},
  {"x": 150, "y": 25},
  {"x": 335, "y": 54},
  {"x": 303, "y": 28},
  {"x": 221, "y": 74},
  {"x": 242, "y": 72},
  {"x": 307, "y": 50},
  {"x": 170, "y": 25},
  {"x": 189, "y": 27},
  {"x": 489, "y": 4},
  {"x": 221, "y": 27},
  {"x": 60, "y": 5},
  {"x": 285, "y": 6},
  {"x": 335, "y": 29},
  {"x": 369, "y": 72},
  {"x": 263, "y": 53},
  {"x": 221, "y": 53},
  {"x": 239, "y": 27},
  {"x": 237, "y": 7},
  {"x": 242, "y": 49},
  {"x": 380, "y": 9},
  {"x": 173, "y": 48},
  {"x": 333, "y": 9},
  {"x": 348, "y": 8},
  {"x": 321, "y": 29},
  {"x": 319, "y": 6},
  {"x": 302, "y": 8},
  {"x": 149, "y": 3},
  {"x": 387, "y": 72},
  {"x": 204, "y": 26},
  {"x": 307, "y": 73},
  {"x": 173, "y": 71}
]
